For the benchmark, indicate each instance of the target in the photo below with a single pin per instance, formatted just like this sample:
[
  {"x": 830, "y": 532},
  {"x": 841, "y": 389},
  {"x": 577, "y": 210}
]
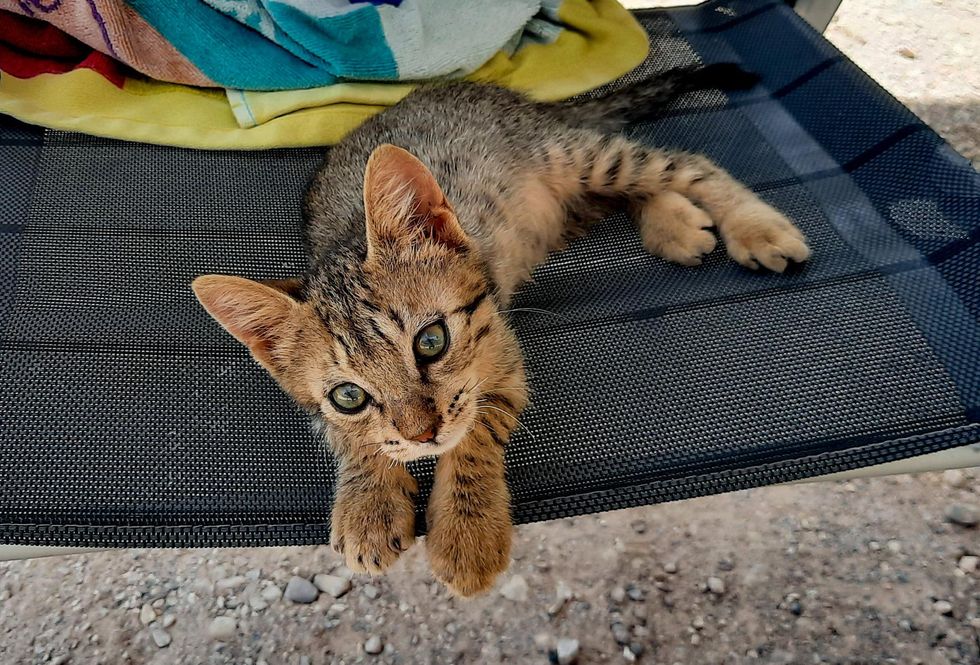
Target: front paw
[
  {"x": 468, "y": 552},
  {"x": 759, "y": 235},
  {"x": 371, "y": 528}
]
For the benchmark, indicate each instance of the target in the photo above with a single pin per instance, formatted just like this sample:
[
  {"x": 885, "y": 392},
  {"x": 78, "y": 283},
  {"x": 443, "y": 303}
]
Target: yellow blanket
[{"x": 604, "y": 41}]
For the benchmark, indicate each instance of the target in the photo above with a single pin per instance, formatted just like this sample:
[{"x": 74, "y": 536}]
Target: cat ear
[
  {"x": 404, "y": 204},
  {"x": 255, "y": 314},
  {"x": 291, "y": 286}
]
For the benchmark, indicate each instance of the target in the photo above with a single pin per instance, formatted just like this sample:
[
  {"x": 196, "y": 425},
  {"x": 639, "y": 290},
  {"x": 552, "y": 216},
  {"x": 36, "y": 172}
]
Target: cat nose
[{"x": 428, "y": 435}]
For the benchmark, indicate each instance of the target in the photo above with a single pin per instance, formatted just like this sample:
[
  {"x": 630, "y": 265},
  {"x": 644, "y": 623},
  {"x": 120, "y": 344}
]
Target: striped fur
[{"x": 438, "y": 210}]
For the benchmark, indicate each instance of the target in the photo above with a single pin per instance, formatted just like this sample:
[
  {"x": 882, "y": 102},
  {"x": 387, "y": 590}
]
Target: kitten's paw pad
[
  {"x": 764, "y": 237},
  {"x": 469, "y": 563},
  {"x": 372, "y": 530},
  {"x": 675, "y": 229}
]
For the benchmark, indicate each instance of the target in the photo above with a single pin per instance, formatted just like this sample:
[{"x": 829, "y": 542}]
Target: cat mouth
[
  {"x": 447, "y": 439},
  {"x": 411, "y": 451}
]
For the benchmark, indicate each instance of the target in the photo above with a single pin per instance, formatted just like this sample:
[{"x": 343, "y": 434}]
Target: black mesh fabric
[{"x": 129, "y": 418}]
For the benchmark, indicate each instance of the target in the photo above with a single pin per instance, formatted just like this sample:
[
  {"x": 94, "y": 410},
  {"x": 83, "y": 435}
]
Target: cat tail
[{"x": 613, "y": 111}]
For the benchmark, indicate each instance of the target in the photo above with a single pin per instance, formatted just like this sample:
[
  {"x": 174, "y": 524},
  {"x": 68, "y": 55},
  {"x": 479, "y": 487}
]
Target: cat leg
[
  {"x": 469, "y": 522},
  {"x": 674, "y": 228},
  {"x": 754, "y": 232},
  {"x": 661, "y": 189},
  {"x": 373, "y": 519}
]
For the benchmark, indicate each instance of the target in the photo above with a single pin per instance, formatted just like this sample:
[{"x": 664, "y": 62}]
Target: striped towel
[{"x": 291, "y": 44}]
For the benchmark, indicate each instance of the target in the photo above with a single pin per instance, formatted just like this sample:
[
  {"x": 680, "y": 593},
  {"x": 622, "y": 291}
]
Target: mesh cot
[{"x": 128, "y": 418}]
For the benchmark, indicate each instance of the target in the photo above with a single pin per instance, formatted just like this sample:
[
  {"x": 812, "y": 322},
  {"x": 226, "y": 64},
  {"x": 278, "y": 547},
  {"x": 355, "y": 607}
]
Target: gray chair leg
[{"x": 817, "y": 12}]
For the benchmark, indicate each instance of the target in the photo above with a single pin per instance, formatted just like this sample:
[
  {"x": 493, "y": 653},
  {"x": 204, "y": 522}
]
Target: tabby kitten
[{"x": 420, "y": 227}]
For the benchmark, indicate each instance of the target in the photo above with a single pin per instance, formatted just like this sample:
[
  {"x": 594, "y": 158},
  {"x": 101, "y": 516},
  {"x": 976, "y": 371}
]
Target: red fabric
[{"x": 29, "y": 47}]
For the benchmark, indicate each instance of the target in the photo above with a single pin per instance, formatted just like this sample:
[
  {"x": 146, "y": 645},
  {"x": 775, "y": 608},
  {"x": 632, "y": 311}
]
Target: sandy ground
[{"x": 867, "y": 571}]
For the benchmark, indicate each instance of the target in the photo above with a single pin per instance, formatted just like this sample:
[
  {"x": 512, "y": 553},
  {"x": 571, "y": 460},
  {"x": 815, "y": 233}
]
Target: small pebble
[
  {"x": 258, "y": 603},
  {"x": 943, "y": 607},
  {"x": 160, "y": 637},
  {"x": 894, "y": 546},
  {"x": 563, "y": 593},
  {"x": 906, "y": 52},
  {"x": 635, "y": 593},
  {"x": 726, "y": 565},
  {"x": 335, "y": 585},
  {"x": 370, "y": 591},
  {"x": 956, "y": 478},
  {"x": 620, "y": 633},
  {"x": 147, "y": 615},
  {"x": 629, "y": 655},
  {"x": 962, "y": 515},
  {"x": 639, "y": 526},
  {"x": 636, "y": 648},
  {"x": 271, "y": 593},
  {"x": 716, "y": 585},
  {"x": 515, "y": 589},
  {"x": 343, "y": 571},
  {"x": 795, "y": 608},
  {"x": 373, "y": 645},
  {"x": 670, "y": 567},
  {"x": 168, "y": 620},
  {"x": 300, "y": 590},
  {"x": 698, "y": 623},
  {"x": 618, "y": 594},
  {"x": 567, "y": 651},
  {"x": 222, "y": 628},
  {"x": 969, "y": 564},
  {"x": 231, "y": 582}
]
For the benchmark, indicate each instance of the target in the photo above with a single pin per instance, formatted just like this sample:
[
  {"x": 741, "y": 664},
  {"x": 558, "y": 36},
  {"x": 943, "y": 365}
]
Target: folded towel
[
  {"x": 114, "y": 29},
  {"x": 587, "y": 31},
  {"x": 289, "y": 44},
  {"x": 29, "y": 48},
  {"x": 593, "y": 42}
]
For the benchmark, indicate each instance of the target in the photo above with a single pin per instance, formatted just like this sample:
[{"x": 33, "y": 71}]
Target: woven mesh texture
[{"x": 127, "y": 417}]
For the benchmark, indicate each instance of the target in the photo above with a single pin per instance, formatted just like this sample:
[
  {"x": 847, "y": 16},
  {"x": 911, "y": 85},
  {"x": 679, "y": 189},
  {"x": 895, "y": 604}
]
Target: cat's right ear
[
  {"x": 404, "y": 204},
  {"x": 255, "y": 314}
]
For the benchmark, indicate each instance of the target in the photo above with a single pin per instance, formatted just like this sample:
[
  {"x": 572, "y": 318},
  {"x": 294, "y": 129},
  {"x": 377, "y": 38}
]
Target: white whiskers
[
  {"x": 537, "y": 310},
  {"x": 483, "y": 405}
]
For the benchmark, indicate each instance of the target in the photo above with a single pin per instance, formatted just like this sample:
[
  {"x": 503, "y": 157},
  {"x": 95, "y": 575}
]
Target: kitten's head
[{"x": 397, "y": 343}]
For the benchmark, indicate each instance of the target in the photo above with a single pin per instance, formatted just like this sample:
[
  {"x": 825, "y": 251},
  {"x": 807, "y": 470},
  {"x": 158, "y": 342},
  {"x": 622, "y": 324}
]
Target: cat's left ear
[
  {"x": 257, "y": 315},
  {"x": 404, "y": 204}
]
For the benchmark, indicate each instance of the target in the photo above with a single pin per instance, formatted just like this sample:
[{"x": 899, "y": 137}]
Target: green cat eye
[
  {"x": 349, "y": 397},
  {"x": 431, "y": 342}
]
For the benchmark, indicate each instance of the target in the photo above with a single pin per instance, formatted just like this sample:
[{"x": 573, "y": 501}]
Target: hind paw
[
  {"x": 674, "y": 228},
  {"x": 758, "y": 235}
]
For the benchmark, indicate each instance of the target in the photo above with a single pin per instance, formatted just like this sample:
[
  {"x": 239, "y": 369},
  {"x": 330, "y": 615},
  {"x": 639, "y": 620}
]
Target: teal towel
[{"x": 289, "y": 44}]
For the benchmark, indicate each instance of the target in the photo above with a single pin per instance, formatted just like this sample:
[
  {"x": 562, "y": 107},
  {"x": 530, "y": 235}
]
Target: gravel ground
[{"x": 867, "y": 571}]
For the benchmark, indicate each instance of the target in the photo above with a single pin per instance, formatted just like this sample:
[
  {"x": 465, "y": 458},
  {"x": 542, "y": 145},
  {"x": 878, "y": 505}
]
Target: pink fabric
[
  {"x": 113, "y": 28},
  {"x": 29, "y": 47}
]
